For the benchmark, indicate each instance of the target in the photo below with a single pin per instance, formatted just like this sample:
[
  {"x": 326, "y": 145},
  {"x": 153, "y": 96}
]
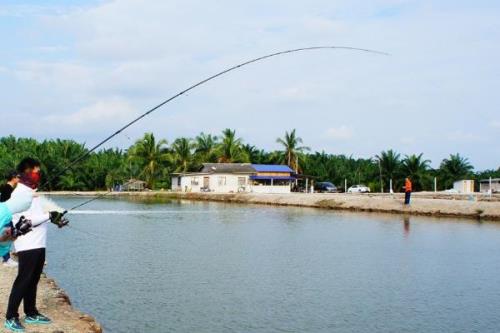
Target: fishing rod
[
  {"x": 182, "y": 92},
  {"x": 99, "y": 196}
]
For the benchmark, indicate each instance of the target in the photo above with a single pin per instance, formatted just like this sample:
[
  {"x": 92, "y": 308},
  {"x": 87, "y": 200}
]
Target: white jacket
[
  {"x": 20, "y": 199},
  {"x": 37, "y": 238}
]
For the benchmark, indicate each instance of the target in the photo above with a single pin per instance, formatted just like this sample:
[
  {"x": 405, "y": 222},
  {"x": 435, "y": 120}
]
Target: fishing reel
[
  {"x": 58, "y": 219},
  {"x": 22, "y": 227}
]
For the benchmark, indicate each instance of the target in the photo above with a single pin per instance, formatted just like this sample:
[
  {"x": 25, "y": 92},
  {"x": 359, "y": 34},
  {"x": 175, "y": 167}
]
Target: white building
[
  {"x": 464, "y": 186},
  {"x": 235, "y": 178},
  {"x": 484, "y": 185}
]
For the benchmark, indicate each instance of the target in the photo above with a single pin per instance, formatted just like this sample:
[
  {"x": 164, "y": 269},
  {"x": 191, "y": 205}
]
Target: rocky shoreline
[
  {"x": 475, "y": 206},
  {"x": 52, "y": 301}
]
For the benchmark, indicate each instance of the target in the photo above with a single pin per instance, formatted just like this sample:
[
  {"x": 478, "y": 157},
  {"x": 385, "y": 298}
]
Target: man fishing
[
  {"x": 408, "y": 190},
  {"x": 30, "y": 245}
]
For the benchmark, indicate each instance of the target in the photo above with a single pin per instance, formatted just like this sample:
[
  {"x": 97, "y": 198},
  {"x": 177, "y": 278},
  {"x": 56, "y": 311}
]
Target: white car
[{"x": 358, "y": 189}]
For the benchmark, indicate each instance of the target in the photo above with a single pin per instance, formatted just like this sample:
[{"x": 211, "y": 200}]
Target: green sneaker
[
  {"x": 37, "y": 319},
  {"x": 14, "y": 325}
]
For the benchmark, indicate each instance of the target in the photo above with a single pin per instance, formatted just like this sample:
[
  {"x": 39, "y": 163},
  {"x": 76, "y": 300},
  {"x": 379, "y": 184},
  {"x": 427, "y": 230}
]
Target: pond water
[{"x": 213, "y": 267}]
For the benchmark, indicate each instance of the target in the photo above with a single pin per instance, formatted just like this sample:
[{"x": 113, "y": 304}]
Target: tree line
[{"x": 154, "y": 160}]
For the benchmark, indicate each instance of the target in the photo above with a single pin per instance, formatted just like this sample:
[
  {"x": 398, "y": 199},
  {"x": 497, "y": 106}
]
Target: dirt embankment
[
  {"x": 53, "y": 302},
  {"x": 430, "y": 204}
]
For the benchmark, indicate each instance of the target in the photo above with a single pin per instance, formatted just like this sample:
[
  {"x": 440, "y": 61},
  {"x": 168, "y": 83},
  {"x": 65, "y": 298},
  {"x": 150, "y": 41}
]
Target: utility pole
[
  {"x": 491, "y": 189},
  {"x": 435, "y": 184},
  {"x": 381, "y": 183},
  {"x": 296, "y": 170}
]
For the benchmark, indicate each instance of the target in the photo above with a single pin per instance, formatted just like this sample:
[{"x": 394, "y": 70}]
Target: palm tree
[
  {"x": 389, "y": 163},
  {"x": 292, "y": 149},
  {"x": 253, "y": 155},
  {"x": 150, "y": 155},
  {"x": 417, "y": 168},
  {"x": 70, "y": 182},
  {"x": 182, "y": 154},
  {"x": 229, "y": 150},
  {"x": 454, "y": 168},
  {"x": 206, "y": 147}
]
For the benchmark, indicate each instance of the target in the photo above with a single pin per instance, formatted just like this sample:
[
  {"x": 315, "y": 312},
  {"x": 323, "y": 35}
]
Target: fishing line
[
  {"x": 86, "y": 232},
  {"x": 182, "y": 92}
]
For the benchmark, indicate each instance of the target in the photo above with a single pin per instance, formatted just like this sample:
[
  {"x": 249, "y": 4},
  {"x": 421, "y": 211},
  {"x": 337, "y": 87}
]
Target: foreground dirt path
[{"x": 51, "y": 301}]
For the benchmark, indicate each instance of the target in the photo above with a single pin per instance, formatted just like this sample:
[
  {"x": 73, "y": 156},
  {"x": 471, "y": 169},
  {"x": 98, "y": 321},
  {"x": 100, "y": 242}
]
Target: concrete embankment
[
  {"x": 51, "y": 301},
  {"x": 430, "y": 204}
]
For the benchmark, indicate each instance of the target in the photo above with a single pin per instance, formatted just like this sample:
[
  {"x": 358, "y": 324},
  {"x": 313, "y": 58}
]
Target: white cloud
[
  {"x": 296, "y": 93},
  {"x": 462, "y": 136},
  {"x": 339, "y": 133},
  {"x": 408, "y": 140},
  {"x": 95, "y": 116},
  {"x": 495, "y": 124}
]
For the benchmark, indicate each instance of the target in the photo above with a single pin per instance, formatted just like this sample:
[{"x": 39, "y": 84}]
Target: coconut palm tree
[
  {"x": 229, "y": 149},
  {"x": 292, "y": 149},
  {"x": 417, "y": 168},
  {"x": 206, "y": 147},
  {"x": 182, "y": 154},
  {"x": 389, "y": 163},
  {"x": 253, "y": 155},
  {"x": 150, "y": 155},
  {"x": 454, "y": 168}
]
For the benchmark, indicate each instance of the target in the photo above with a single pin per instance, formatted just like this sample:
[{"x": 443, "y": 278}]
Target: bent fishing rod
[{"x": 182, "y": 92}]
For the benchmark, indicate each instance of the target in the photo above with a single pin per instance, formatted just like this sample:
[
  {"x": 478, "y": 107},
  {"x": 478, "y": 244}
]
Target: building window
[
  {"x": 195, "y": 181},
  {"x": 222, "y": 181},
  {"x": 242, "y": 181}
]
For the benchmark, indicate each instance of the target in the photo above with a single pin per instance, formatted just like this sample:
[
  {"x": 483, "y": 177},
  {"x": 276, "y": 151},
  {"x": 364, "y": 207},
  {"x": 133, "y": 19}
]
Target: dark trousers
[
  {"x": 24, "y": 289},
  {"x": 407, "y": 197}
]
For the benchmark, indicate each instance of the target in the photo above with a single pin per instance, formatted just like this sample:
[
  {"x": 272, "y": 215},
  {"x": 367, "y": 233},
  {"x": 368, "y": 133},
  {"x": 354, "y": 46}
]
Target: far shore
[{"x": 438, "y": 204}]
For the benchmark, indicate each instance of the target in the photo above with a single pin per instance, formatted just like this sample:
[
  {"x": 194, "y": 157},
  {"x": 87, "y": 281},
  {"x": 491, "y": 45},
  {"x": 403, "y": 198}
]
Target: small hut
[
  {"x": 464, "y": 186},
  {"x": 134, "y": 185},
  {"x": 484, "y": 185}
]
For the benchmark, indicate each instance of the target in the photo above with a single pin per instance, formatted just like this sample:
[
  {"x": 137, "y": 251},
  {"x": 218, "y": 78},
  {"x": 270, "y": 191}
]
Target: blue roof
[
  {"x": 272, "y": 177},
  {"x": 271, "y": 168}
]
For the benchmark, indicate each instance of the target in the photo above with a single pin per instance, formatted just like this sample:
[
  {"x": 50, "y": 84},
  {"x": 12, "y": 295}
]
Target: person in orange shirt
[{"x": 408, "y": 189}]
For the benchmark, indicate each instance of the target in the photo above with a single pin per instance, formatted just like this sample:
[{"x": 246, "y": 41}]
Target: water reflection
[{"x": 406, "y": 225}]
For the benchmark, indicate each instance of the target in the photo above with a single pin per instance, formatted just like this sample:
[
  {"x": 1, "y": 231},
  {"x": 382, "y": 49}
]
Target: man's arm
[{"x": 6, "y": 235}]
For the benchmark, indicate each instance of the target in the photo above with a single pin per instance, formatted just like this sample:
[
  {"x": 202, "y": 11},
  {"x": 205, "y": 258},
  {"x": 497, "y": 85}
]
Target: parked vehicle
[
  {"x": 358, "y": 189},
  {"x": 325, "y": 187}
]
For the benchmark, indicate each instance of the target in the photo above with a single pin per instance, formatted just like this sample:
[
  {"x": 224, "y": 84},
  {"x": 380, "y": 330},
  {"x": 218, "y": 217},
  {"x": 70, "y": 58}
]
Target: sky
[{"x": 81, "y": 69}]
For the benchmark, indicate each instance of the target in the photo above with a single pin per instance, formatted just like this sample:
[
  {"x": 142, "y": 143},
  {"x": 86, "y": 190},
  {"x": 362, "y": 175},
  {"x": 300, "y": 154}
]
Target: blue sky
[{"x": 80, "y": 69}]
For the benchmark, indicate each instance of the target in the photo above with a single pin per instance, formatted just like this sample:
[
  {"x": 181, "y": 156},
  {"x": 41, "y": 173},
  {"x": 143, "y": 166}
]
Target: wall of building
[
  {"x": 220, "y": 183},
  {"x": 223, "y": 183},
  {"x": 485, "y": 187},
  {"x": 464, "y": 186},
  {"x": 274, "y": 174},
  {"x": 277, "y": 189}
]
